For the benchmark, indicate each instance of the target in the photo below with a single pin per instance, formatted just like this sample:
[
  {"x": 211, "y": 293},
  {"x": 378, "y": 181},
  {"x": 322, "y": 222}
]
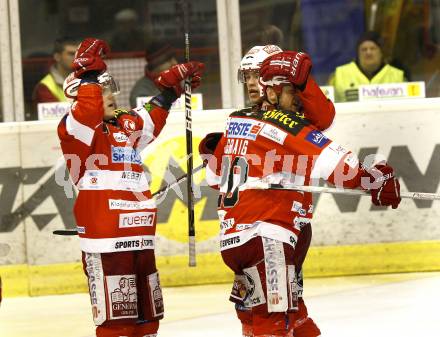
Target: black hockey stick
[
  {"x": 157, "y": 194},
  {"x": 189, "y": 150}
]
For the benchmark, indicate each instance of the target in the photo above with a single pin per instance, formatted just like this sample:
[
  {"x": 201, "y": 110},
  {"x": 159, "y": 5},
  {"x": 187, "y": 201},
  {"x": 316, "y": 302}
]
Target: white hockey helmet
[
  {"x": 254, "y": 58},
  {"x": 72, "y": 83}
]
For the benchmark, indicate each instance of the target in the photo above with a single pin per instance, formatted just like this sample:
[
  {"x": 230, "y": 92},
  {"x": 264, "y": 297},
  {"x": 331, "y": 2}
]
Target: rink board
[{"x": 350, "y": 236}]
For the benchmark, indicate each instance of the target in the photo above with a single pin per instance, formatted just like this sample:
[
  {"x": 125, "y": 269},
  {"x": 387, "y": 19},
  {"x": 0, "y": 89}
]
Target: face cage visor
[{"x": 108, "y": 82}]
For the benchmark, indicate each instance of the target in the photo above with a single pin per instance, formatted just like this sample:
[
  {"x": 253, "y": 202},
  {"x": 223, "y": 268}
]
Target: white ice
[{"x": 401, "y": 305}]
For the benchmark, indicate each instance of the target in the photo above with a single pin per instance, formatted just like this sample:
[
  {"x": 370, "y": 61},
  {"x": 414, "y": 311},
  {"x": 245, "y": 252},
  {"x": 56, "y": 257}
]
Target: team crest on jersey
[
  {"x": 122, "y": 292},
  {"x": 317, "y": 138}
]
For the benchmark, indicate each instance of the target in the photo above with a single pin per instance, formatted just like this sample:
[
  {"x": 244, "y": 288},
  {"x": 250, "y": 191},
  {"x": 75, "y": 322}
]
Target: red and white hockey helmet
[
  {"x": 254, "y": 58},
  {"x": 72, "y": 83}
]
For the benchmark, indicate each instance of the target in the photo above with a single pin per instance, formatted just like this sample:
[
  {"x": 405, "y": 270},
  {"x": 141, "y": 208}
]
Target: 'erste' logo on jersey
[
  {"x": 243, "y": 128},
  {"x": 122, "y": 154}
]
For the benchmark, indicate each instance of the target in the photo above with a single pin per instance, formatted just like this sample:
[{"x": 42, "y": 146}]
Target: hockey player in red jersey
[
  {"x": 260, "y": 229},
  {"x": 114, "y": 210},
  {"x": 320, "y": 112}
]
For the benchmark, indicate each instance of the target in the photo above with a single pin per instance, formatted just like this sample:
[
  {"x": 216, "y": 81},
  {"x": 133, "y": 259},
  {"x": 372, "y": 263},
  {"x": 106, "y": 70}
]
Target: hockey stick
[
  {"x": 157, "y": 194},
  {"x": 259, "y": 185},
  {"x": 189, "y": 151}
]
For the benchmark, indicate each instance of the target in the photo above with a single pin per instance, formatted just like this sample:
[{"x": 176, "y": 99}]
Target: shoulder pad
[
  {"x": 242, "y": 112},
  {"x": 119, "y": 112},
  {"x": 292, "y": 122}
]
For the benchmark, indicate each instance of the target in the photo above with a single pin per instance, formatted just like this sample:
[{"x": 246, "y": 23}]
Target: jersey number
[{"x": 234, "y": 175}]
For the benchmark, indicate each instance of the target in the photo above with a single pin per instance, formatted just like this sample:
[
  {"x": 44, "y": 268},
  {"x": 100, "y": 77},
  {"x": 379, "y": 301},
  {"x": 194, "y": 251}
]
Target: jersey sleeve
[
  {"x": 152, "y": 120},
  {"x": 85, "y": 116},
  {"x": 326, "y": 159},
  {"x": 318, "y": 109}
]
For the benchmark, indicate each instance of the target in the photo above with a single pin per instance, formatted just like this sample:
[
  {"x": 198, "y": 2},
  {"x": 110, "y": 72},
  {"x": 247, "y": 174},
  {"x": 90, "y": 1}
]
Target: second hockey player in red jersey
[
  {"x": 114, "y": 210},
  {"x": 260, "y": 228},
  {"x": 320, "y": 111}
]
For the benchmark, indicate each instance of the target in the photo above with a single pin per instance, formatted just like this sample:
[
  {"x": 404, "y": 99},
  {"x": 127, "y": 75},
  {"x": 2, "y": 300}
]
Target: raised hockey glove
[
  {"x": 174, "y": 77},
  {"x": 208, "y": 144},
  {"x": 385, "y": 188},
  {"x": 89, "y": 57},
  {"x": 295, "y": 66}
]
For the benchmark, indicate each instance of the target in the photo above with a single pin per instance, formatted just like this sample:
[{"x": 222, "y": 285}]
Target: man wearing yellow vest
[
  {"x": 50, "y": 87},
  {"x": 368, "y": 68}
]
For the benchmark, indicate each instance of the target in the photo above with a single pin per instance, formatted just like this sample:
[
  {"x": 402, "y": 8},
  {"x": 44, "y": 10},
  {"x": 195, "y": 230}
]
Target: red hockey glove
[
  {"x": 173, "y": 77},
  {"x": 296, "y": 66},
  {"x": 208, "y": 144},
  {"x": 386, "y": 190},
  {"x": 89, "y": 56}
]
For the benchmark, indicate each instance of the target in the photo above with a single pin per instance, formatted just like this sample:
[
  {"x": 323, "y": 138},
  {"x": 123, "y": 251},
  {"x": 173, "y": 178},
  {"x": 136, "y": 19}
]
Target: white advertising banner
[
  {"x": 52, "y": 111},
  {"x": 33, "y": 204},
  {"x": 391, "y": 91}
]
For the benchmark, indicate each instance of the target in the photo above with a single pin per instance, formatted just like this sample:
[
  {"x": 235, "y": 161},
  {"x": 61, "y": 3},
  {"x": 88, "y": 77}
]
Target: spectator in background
[
  {"x": 368, "y": 68},
  {"x": 128, "y": 35},
  {"x": 272, "y": 35},
  {"x": 50, "y": 87},
  {"x": 159, "y": 57}
]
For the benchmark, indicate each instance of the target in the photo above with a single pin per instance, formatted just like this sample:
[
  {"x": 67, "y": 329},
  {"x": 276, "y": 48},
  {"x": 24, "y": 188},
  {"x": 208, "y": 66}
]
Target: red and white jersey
[
  {"x": 317, "y": 108},
  {"x": 114, "y": 210},
  {"x": 276, "y": 147}
]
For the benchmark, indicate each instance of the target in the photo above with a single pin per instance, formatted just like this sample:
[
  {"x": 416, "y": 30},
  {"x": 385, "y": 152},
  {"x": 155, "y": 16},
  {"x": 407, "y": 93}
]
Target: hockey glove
[
  {"x": 174, "y": 77},
  {"x": 208, "y": 144},
  {"x": 89, "y": 56},
  {"x": 385, "y": 190},
  {"x": 295, "y": 66}
]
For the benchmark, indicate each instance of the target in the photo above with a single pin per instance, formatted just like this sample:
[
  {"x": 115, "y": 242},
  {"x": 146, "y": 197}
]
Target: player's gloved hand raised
[
  {"x": 385, "y": 190},
  {"x": 296, "y": 66},
  {"x": 174, "y": 77},
  {"x": 208, "y": 144},
  {"x": 89, "y": 57}
]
